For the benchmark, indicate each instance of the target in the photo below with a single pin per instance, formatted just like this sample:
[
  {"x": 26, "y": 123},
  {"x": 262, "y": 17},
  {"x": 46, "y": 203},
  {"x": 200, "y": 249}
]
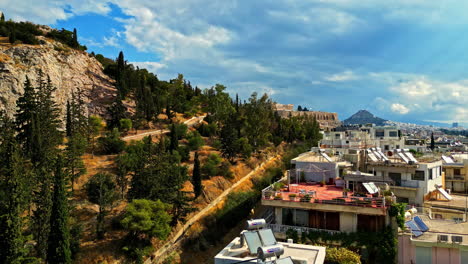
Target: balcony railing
[
  {"x": 300, "y": 229},
  {"x": 375, "y": 202}
]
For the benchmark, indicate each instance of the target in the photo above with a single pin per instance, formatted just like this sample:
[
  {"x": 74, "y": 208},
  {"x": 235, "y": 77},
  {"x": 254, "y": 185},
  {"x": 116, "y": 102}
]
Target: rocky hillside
[
  {"x": 363, "y": 117},
  {"x": 70, "y": 71}
]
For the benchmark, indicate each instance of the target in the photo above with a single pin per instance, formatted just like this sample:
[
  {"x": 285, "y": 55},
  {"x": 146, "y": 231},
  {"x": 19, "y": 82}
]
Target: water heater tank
[
  {"x": 270, "y": 251},
  {"x": 256, "y": 224}
]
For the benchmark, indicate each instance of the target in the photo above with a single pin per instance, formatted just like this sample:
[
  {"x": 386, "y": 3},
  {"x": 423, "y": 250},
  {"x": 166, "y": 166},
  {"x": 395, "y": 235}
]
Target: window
[
  {"x": 396, "y": 177},
  {"x": 456, "y": 172},
  {"x": 386, "y": 147},
  {"x": 397, "y": 146},
  {"x": 418, "y": 176},
  {"x": 337, "y": 136},
  {"x": 430, "y": 174},
  {"x": 379, "y": 133},
  {"x": 393, "y": 134}
]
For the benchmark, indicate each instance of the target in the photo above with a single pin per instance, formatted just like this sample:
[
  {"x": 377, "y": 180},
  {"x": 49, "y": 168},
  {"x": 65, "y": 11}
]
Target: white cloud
[
  {"x": 49, "y": 11},
  {"x": 399, "y": 108},
  {"x": 342, "y": 77}
]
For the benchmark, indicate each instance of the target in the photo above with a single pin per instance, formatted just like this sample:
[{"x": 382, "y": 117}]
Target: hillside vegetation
[{"x": 72, "y": 190}]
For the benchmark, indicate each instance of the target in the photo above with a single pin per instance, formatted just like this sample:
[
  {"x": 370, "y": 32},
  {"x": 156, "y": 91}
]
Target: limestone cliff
[{"x": 71, "y": 71}]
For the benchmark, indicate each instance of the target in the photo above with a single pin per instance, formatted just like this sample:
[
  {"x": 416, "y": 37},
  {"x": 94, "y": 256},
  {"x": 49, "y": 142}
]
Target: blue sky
[{"x": 404, "y": 60}]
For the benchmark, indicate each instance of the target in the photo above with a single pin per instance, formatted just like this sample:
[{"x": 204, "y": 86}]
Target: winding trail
[
  {"x": 191, "y": 122},
  {"x": 157, "y": 257}
]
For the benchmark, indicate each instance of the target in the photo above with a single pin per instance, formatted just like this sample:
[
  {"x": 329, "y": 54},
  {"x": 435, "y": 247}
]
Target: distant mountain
[{"x": 363, "y": 117}]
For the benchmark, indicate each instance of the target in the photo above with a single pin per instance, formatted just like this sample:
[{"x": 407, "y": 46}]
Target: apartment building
[
  {"x": 413, "y": 181},
  {"x": 431, "y": 240},
  {"x": 456, "y": 173}
]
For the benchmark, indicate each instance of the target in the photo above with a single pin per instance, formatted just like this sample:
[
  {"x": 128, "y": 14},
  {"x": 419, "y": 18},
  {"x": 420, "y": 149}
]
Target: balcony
[{"x": 300, "y": 229}]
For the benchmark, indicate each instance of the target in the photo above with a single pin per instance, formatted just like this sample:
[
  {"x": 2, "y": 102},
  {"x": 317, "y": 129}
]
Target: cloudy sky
[{"x": 404, "y": 60}]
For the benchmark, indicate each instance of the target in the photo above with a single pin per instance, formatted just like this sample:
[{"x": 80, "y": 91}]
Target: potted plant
[
  {"x": 267, "y": 195},
  {"x": 292, "y": 196},
  {"x": 278, "y": 197},
  {"x": 322, "y": 183},
  {"x": 345, "y": 192},
  {"x": 306, "y": 198}
]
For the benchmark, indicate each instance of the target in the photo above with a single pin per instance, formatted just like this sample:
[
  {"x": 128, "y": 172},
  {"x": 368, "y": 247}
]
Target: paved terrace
[{"x": 327, "y": 194}]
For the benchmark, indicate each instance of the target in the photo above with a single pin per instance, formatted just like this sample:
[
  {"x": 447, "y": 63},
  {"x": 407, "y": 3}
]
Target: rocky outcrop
[{"x": 71, "y": 71}]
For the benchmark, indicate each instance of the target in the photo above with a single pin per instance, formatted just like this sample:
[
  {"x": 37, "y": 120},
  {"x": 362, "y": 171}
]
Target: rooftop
[
  {"x": 234, "y": 253},
  {"x": 442, "y": 227},
  {"x": 318, "y": 157},
  {"x": 326, "y": 194}
]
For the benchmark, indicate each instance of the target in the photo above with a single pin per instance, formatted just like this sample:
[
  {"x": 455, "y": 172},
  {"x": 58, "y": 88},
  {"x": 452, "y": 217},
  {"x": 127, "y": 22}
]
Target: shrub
[
  {"x": 341, "y": 256},
  {"x": 111, "y": 143},
  {"x": 146, "y": 217},
  {"x": 210, "y": 168},
  {"x": 208, "y": 130},
  {"x": 184, "y": 153},
  {"x": 195, "y": 141},
  {"x": 181, "y": 130},
  {"x": 125, "y": 124}
]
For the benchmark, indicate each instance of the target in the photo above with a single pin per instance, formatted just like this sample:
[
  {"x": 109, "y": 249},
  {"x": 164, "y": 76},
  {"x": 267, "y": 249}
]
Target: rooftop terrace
[{"x": 318, "y": 194}]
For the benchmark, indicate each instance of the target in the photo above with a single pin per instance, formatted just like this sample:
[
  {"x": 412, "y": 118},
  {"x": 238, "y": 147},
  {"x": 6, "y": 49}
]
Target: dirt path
[
  {"x": 158, "y": 255},
  {"x": 191, "y": 122}
]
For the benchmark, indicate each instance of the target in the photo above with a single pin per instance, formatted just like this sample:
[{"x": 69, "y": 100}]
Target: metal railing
[
  {"x": 379, "y": 202},
  {"x": 300, "y": 229}
]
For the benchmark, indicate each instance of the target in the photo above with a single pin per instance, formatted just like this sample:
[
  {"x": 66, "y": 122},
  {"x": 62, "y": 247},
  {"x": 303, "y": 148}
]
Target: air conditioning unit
[
  {"x": 457, "y": 239},
  {"x": 442, "y": 238}
]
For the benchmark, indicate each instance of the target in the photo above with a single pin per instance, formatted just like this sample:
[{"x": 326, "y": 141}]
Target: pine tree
[
  {"x": 58, "y": 250},
  {"x": 2, "y": 19},
  {"x": 229, "y": 137},
  {"x": 117, "y": 112},
  {"x": 101, "y": 191},
  {"x": 196, "y": 176},
  {"x": 26, "y": 106},
  {"x": 13, "y": 194}
]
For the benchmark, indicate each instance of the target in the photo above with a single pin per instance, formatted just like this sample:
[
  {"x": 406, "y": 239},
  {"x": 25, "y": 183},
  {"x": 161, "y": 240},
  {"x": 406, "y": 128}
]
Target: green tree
[
  {"x": 125, "y": 124},
  {"x": 432, "y": 142},
  {"x": 145, "y": 217},
  {"x": 59, "y": 237},
  {"x": 195, "y": 141},
  {"x": 74, "y": 42},
  {"x": 101, "y": 190},
  {"x": 196, "y": 176},
  {"x": 111, "y": 143},
  {"x": 229, "y": 137},
  {"x": 258, "y": 121},
  {"x": 95, "y": 125},
  {"x": 2, "y": 19},
  {"x": 174, "y": 144},
  {"x": 13, "y": 193},
  {"x": 75, "y": 148}
]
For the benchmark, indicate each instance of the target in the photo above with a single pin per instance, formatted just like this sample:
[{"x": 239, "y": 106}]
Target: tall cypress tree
[
  {"x": 26, "y": 107},
  {"x": 13, "y": 192},
  {"x": 68, "y": 124},
  {"x": 2, "y": 19},
  {"x": 58, "y": 250},
  {"x": 196, "y": 177},
  {"x": 174, "y": 144},
  {"x": 75, "y": 43},
  {"x": 432, "y": 142}
]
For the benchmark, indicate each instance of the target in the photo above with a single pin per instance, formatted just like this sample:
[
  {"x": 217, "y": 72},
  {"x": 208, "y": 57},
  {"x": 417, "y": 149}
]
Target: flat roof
[
  {"x": 233, "y": 252},
  {"x": 316, "y": 157},
  {"x": 324, "y": 194},
  {"x": 442, "y": 227}
]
